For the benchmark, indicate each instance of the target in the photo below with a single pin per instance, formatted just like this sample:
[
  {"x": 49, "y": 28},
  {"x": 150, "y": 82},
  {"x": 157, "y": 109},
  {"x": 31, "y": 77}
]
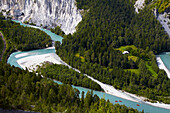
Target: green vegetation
[
  {"x": 1, "y": 16},
  {"x": 22, "y": 38},
  {"x": 151, "y": 70},
  {"x": 130, "y": 48},
  {"x": 1, "y": 41},
  {"x": 58, "y": 31},
  {"x": 126, "y": 48},
  {"x": 148, "y": 33},
  {"x": 108, "y": 25},
  {"x": 69, "y": 76},
  {"x": 161, "y": 5},
  {"x": 136, "y": 54},
  {"x": 136, "y": 71},
  {"x": 148, "y": 2},
  {"x": 21, "y": 89},
  {"x": 2, "y": 45},
  {"x": 81, "y": 57},
  {"x": 134, "y": 58}
]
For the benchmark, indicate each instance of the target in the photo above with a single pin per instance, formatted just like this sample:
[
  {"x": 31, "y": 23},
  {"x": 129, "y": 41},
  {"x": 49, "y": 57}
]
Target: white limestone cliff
[
  {"x": 49, "y": 13},
  {"x": 139, "y": 4}
]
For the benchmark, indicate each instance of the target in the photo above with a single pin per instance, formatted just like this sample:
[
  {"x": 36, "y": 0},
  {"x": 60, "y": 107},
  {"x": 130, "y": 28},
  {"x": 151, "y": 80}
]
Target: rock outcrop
[
  {"x": 48, "y": 13},
  {"x": 139, "y": 4}
]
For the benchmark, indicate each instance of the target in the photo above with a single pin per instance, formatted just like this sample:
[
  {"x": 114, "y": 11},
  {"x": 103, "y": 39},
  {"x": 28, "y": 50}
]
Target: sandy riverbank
[
  {"x": 31, "y": 63},
  {"x": 29, "y": 53},
  {"x": 128, "y": 96},
  {"x": 161, "y": 65}
]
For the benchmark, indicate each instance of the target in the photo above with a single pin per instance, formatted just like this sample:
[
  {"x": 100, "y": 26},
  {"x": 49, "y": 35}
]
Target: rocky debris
[{"x": 139, "y": 5}]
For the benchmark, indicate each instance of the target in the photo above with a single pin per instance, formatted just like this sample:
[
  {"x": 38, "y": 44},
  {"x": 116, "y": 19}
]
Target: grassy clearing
[
  {"x": 123, "y": 48},
  {"x": 134, "y": 58},
  {"x": 151, "y": 70},
  {"x": 81, "y": 57},
  {"x": 136, "y": 71},
  {"x": 110, "y": 69},
  {"x": 130, "y": 56}
]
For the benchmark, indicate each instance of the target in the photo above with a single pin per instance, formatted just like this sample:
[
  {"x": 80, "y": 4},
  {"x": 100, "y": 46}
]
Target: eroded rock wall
[{"x": 50, "y": 13}]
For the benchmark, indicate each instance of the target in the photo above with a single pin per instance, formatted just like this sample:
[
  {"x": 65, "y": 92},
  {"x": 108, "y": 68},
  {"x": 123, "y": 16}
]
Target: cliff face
[
  {"x": 139, "y": 4},
  {"x": 49, "y": 13}
]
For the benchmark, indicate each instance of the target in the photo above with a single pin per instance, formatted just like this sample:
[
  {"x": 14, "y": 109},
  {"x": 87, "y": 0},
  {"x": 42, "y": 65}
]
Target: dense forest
[
  {"x": 20, "y": 89},
  {"x": 22, "y": 38},
  {"x": 68, "y": 76},
  {"x": 108, "y": 25},
  {"x": 95, "y": 49},
  {"x": 57, "y": 30},
  {"x": 1, "y": 41},
  {"x": 112, "y": 23},
  {"x": 161, "y": 5}
]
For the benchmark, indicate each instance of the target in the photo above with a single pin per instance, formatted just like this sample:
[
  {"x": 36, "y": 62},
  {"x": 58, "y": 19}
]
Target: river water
[
  {"x": 146, "y": 107},
  {"x": 165, "y": 57}
]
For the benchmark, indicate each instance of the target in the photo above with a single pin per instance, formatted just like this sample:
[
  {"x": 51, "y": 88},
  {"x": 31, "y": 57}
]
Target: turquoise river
[
  {"x": 146, "y": 107},
  {"x": 166, "y": 59}
]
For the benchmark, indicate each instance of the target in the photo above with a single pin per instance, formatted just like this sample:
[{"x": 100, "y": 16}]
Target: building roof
[{"x": 125, "y": 52}]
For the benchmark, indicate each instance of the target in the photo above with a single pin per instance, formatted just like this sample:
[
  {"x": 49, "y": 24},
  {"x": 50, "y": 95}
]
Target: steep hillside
[
  {"x": 49, "y": 13},
  {"x": 28, "y": 91},
  {"x": 108, "y": 25},
  {"x": 162, "y": 5}
]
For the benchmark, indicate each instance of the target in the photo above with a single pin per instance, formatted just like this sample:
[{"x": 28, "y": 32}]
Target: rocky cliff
[
  {"x": 139, "y": 4},
  {"x": 50, "y": 13}
]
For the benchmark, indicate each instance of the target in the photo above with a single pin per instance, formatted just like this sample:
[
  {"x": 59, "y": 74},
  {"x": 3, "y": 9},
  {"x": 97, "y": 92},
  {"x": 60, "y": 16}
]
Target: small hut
[{"x": 125, "y": 52}]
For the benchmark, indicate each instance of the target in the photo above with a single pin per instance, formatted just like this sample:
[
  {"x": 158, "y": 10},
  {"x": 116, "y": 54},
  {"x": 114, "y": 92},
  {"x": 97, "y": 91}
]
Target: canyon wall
[{"x": 48, "y": 13}]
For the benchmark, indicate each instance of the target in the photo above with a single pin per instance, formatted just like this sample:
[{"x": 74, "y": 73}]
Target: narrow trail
[{"x": 4, "y": 46}]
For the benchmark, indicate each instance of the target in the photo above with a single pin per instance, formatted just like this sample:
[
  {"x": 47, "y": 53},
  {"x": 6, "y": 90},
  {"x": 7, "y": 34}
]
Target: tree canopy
[
  {"x": 108, "y": 25},
  {"x": 20, "y": 89}
]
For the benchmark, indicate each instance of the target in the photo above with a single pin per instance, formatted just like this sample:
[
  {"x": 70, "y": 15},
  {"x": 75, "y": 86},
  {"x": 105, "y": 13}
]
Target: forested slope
[
  {"x": 1, "y": 41},
  {"x": 1, "y": 47},
  {"x": 20, "y": 89},
  {"x": 68, "y": 76},
  {"x": 106, "y": 26},
  {"x": 22, "y": 38},
  {"x": 147, "y": 32},
  {"x": 161, "y": 5}
]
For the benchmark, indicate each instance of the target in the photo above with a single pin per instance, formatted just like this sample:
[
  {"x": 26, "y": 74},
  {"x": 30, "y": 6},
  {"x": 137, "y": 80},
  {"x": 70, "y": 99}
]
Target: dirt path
[{"x": 4, "y": 46}]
